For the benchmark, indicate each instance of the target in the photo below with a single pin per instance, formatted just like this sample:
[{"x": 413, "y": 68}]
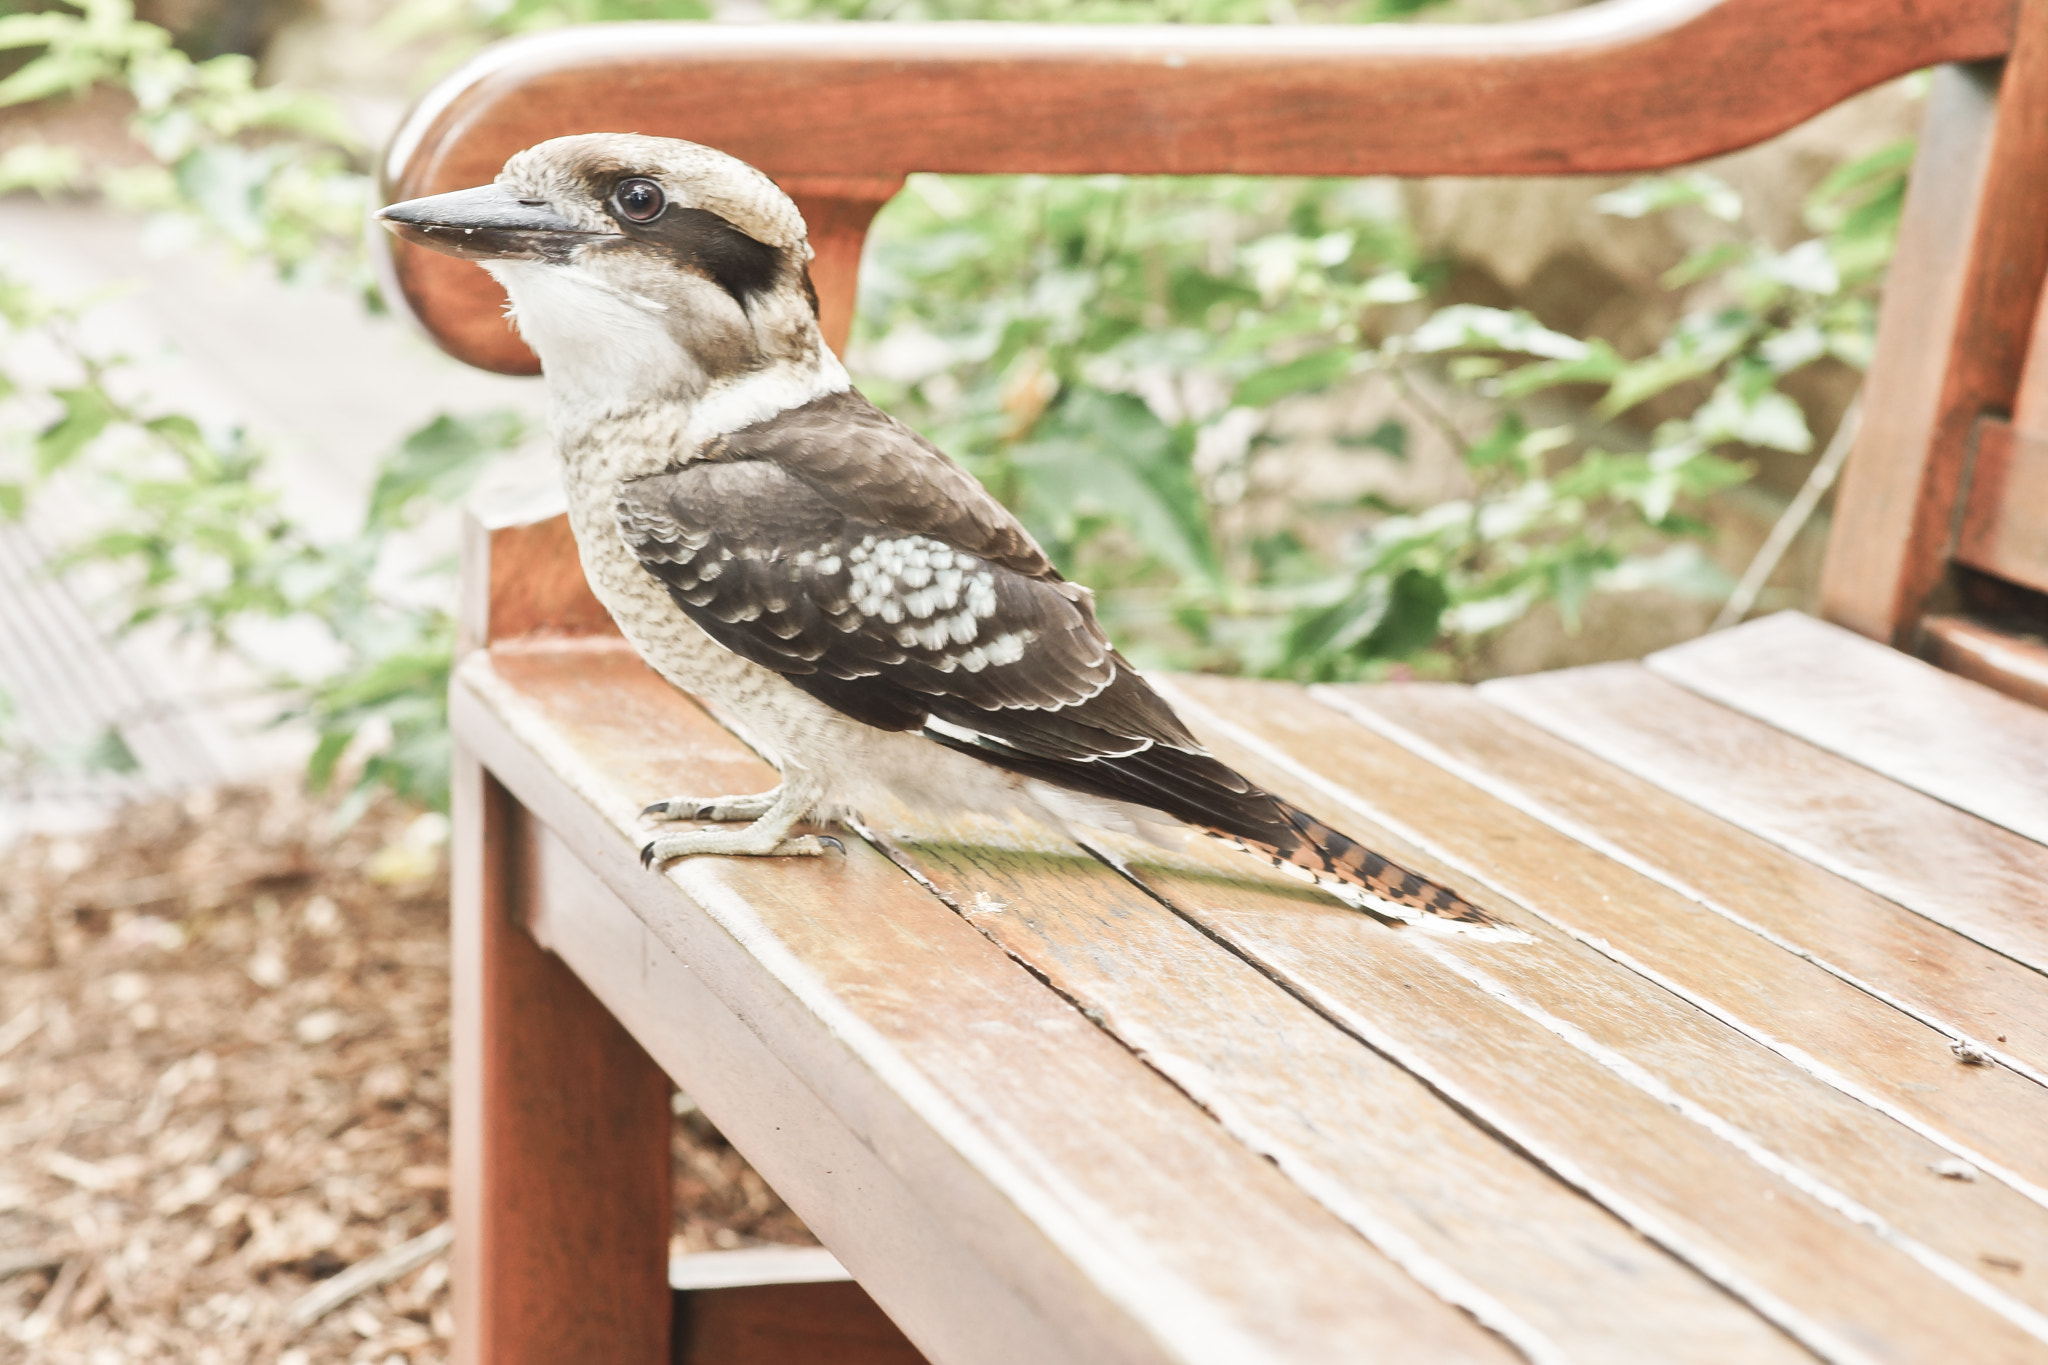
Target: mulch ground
[{"x": 224, "y": 1081}]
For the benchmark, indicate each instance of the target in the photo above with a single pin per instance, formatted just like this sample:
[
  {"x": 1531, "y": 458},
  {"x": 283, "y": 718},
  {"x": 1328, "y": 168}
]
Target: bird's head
[{"x": 638, "y": 267}]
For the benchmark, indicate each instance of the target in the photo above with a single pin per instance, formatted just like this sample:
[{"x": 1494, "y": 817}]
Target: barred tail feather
[{"x": 1313, "y": 852}]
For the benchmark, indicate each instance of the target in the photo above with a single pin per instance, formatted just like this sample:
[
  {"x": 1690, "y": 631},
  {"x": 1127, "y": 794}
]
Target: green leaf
[
  {"x": 109, "y": 753},
  {"x": 1107, "y": 458},
  {"x": 87, "y": 413},
  {"x": 1316, "y": 370},
  {"x": 326, "y": 754},
  {"x": 1571, "y": 583},
  {"x": 1807, "y": 267},
  {"x": 1391, "y": 436},
  {"x": 40, "y": 167},
  {"x": 1469, "y": 327},
  {"x": 1701, "y": 344},
  {"x": 56, "y": 74},
  {"x": 1656, "y": 194},
  {"x": 35, "y": 30},
  {"x": 1599, "y": 365},
  {"x": 438, "y": 462},
  {"x": 1413, "y": 618},
  {"x": 1770, "y": 419},
  {"x": 179, "y": 431},
  {"x": 1705, "y": 262},
  {"x": 1498, "y": 445},
  {"x": 1863, "y": 195}
]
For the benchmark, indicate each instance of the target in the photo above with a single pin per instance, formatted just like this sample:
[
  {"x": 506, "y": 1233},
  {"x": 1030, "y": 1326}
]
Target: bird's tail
[{"x": 1311, "y": 851}]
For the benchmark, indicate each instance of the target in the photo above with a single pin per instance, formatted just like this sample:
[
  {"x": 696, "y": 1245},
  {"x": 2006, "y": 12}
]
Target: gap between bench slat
[
  {"x": 1033, "y": 1136},
  {"x": 1956, "y": 740},
  {"x": 1970, "y": 993},
  {"x": 1367, "y": 1139},
  {"x": 1786, "y": 1107},
  {"x": 1967, "y": 874}
]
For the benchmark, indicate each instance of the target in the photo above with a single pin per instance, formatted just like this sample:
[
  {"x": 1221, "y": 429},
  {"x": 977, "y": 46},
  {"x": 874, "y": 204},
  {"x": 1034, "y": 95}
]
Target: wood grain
[
  {"x": 521, "y": 573},
  {"x": 1956, "y": 320},
  {"x": 2005, "y": 514},
  {"x": 1971, "y": 876},
  {"x": 1371, "y": 1142},
  {"x": 2013, "y": 664},
  {"x": 1628, "y": 85},
  {"x": 1974, "y": 748},
  {"x": 1126, "y": 1222},
  {"x": 2030, "y": 409},
  {"x": 1962, "y": 988},
  {"x": 904, "y": 1253},
  {"x": 561, "y": 1124},
  {"x": 782, "y": 1324},
  {"x": 837, "y": 211},
  {"x": 1594, "y": 1071},
  {"x": 1845, "y": 1088}
]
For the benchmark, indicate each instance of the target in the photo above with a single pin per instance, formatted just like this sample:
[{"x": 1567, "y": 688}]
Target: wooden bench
[{"x": 1769, "y": 1083}]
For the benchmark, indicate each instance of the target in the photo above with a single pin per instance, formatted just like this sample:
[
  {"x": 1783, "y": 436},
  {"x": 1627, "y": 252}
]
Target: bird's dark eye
[{"x": 640, "y": 199}]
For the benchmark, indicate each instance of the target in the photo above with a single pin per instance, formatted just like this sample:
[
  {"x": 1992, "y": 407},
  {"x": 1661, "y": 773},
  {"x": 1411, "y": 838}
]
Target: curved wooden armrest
[{"x": 841, "y": 112}]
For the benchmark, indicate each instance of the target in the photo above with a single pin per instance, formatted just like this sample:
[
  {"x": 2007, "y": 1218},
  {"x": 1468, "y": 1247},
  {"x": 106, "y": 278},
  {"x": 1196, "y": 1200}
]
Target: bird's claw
[
  {"x": 722, "y": 809},
  {"x": 735, "y": 843}
]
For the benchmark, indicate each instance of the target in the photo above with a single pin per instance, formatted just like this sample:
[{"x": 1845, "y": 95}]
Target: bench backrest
[{"x": 1941, "y": 537}]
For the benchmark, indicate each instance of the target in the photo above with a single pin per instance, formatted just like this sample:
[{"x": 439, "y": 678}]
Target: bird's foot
[
  {"x": 722, "y": 809},
  {"x": 742, "y": 843}
]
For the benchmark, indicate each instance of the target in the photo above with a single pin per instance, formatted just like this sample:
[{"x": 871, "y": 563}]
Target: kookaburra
[{"x": 836, "y": 587}]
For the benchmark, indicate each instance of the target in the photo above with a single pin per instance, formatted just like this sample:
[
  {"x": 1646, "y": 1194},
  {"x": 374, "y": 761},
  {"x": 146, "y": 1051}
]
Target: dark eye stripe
[
  {"x": 696, "y": 239},
  {"x": 699, "y": 239}
]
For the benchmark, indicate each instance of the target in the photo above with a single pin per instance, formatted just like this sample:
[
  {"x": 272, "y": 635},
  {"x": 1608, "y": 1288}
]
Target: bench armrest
[{"x": 840, "y": 113}]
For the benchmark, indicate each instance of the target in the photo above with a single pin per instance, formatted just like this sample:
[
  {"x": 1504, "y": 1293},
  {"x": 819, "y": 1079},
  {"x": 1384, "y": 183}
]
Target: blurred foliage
[
  {"x": 1114, "y": 357},
  {"x": 190, "y": 526},
  {"x": 270, "y": 172},
  {"x": 449, "y": 30},
  {"x": 198, "y": 539},
  {"x": 1110, "y": 355}
]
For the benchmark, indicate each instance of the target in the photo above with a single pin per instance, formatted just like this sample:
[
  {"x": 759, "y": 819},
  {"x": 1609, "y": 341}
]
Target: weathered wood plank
[
  {"x": 1952, "y": 334},
  {"x": 521, "y": 572},
  {"x": 784, "y": 1324},
  {"x": 2001, "y": 660},
  {"x": 2030, "y": 408},
  {"x": 1967, "y": 991},
  {"x": 905, "y": 1254},
  {"x": 1125, "y": 1222},
  {"x": 1553, "y": 1271},
  {"x": 1632, "y": 85},
  {"x": 1978, "y": 750},
  {"x": 1962, "y": 872},
  {"x": 560, "y": 1181},
  {"x": 1767, "y": 1058},
  {"x": 837, "y": 211},
  {"x": 2005, "y": 513}
]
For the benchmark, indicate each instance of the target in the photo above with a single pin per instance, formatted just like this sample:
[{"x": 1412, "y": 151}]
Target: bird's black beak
[{"x": 488, "y": 223}]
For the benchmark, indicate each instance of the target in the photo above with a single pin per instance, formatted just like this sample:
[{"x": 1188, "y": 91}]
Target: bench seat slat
[
  {"x": 1956, "y": 984},
  {"x": 1974, "y": 748},
  {"x": 1349, "y": 1125},
  {"x": 1049, "y": 1150},
  {"x": 1976, "y": 878},
  {"x": 1517, "y": 1077},
  {"x": 1003, "y": 1129}
]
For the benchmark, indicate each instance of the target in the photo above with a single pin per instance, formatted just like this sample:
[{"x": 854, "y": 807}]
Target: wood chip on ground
[{"x": 224, "y": 1082}]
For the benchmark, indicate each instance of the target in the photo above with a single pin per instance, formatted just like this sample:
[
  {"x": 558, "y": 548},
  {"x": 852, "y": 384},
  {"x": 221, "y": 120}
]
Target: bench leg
[
  {"x": 787, "y": 1324},
  {"x": 561, "y": 1124}
]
